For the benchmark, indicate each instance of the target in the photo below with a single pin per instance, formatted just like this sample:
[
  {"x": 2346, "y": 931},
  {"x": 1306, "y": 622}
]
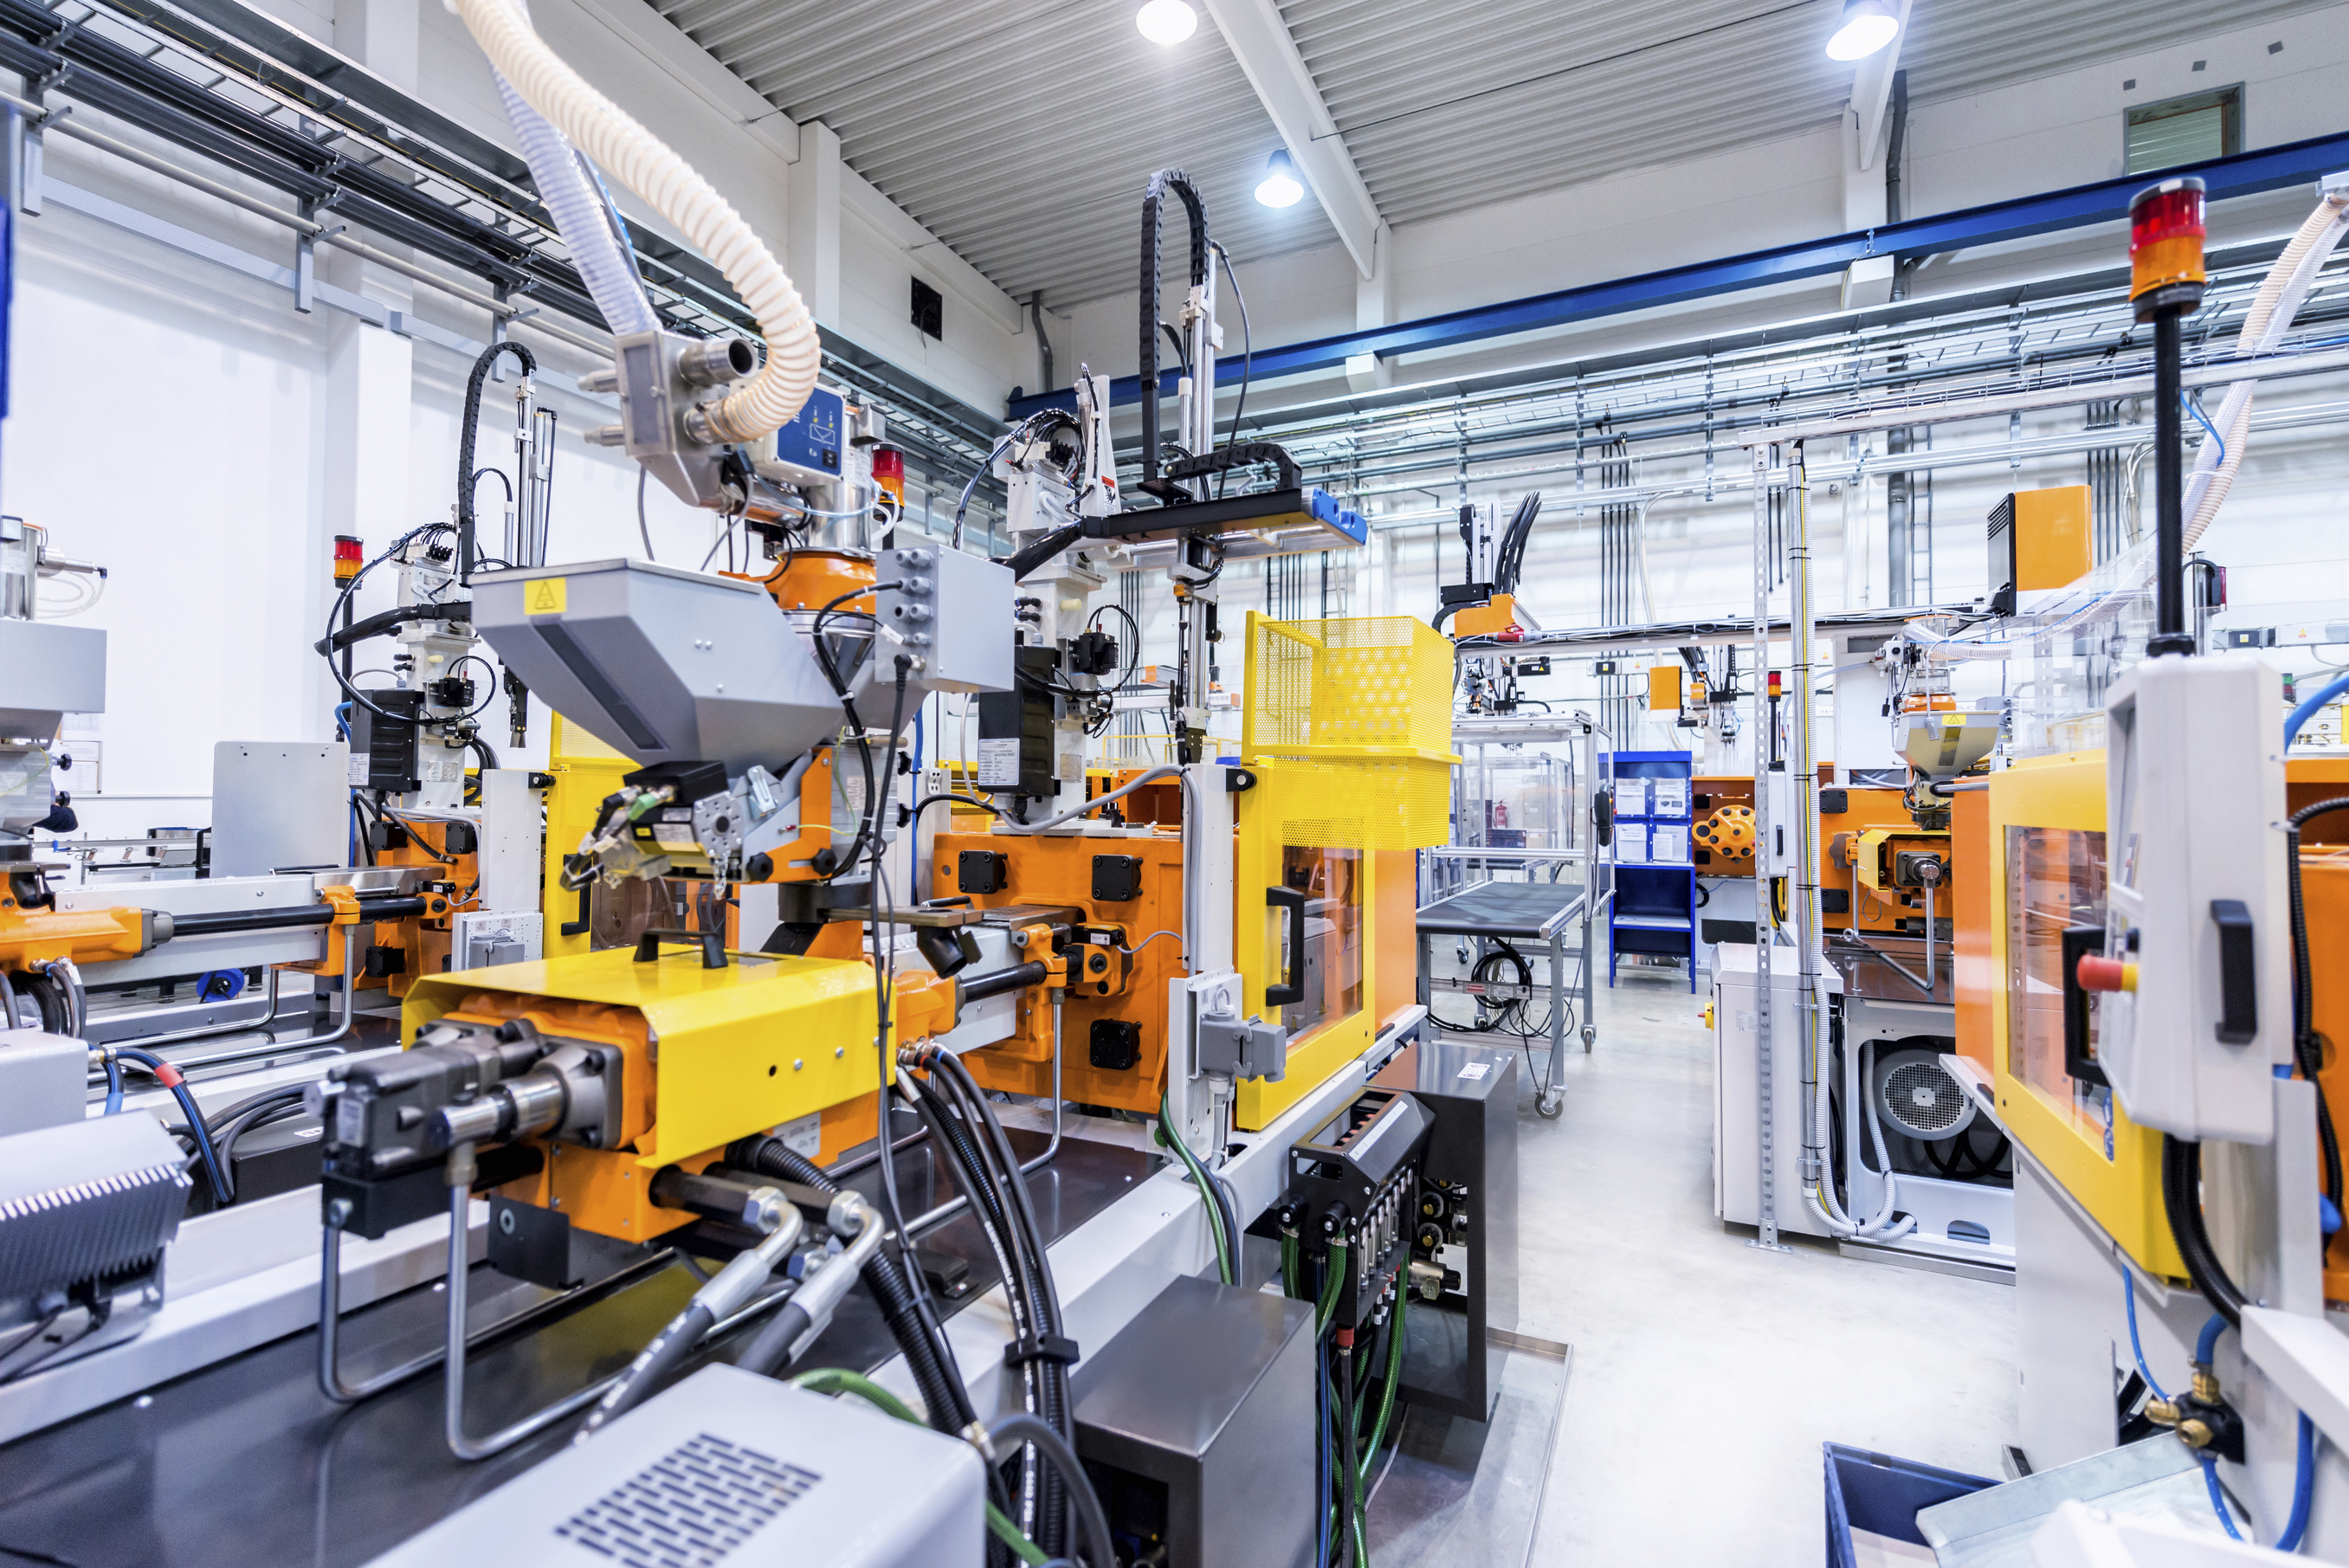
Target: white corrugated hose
[
  {"x": 642, "y": 162},
  {"x": 579, "y": 216},
  {"x": 2272, "y": 310}
]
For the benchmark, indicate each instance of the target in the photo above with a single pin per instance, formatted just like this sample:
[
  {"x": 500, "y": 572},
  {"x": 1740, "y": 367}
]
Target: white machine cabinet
[
  {"x": 1737, "y": 1126},
  {"x": 2194, "y": 795}
]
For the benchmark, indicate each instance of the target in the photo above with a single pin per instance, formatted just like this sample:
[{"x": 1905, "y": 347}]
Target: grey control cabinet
[{"x": 1450, "y": 1363}]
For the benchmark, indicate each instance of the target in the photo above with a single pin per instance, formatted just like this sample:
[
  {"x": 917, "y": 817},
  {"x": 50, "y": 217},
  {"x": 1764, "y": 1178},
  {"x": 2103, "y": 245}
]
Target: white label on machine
[
  {"x": 445, "y": 769},
  {"x": 804, "y": 1135},
  {"x": 1631, "y": 842},
  {"x": 1475, "y": 1069},
  {"x": 998, "y": 764},
  {"x": 1671, "y": 797},
  {"x": 1748, "y": 1022},
  {"x": 1667, "y": 844},
  {"x": 358, "y": 770}
]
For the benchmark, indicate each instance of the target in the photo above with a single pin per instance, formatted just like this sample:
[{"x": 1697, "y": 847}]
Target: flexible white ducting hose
[
  {"x": 2264, "y": 324},
  {"x": 638, "y": 158},
  {"x": 1820, "y": 1195},
  {"x": 579, "y": 217}
]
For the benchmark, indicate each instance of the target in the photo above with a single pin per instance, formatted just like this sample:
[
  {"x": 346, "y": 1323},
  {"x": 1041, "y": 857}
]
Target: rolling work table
[{"x": 1499, "y": 914}]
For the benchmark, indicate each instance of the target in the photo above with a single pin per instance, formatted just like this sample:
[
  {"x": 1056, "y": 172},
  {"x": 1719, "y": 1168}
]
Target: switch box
[{"x": 2197, "y": 897}]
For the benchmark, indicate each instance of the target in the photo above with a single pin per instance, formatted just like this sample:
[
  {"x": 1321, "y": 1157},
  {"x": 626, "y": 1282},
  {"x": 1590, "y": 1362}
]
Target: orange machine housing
[
  {"x": 417, "y": 944},
  {"x": 1972, "y": 864},
  {"x": 1103, "y": 983},
  {"x": 2325, "y": 889}
]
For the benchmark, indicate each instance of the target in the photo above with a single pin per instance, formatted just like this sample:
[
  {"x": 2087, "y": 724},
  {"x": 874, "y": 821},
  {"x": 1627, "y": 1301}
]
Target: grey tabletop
[{"x": 1532, "y": 909}]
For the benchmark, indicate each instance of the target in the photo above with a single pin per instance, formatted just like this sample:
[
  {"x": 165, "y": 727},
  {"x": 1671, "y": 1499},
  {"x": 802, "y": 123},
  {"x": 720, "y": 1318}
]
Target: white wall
[{"x": 177, "y": 422}]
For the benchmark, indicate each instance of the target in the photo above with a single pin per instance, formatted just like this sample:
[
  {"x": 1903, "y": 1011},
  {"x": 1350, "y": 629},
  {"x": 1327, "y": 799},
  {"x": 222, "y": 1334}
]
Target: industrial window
[
  {"x": 2187, "y": 130},
  {"x": 929, "y": 309}
]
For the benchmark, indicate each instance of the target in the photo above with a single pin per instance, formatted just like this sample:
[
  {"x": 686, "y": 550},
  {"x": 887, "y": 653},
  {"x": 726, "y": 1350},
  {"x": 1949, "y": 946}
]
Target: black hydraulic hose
[
  {"x": 997, "y": 982},
  {"x": 1025, "y": 1242},
  {"x": 1154, "y": 197},
  {"x": 769, "y": 1355},
  {"x": 1023, "y": 562},
  {"x": 942, "y": 1395},
  {"x": 465, "y": 445},
  {"x": 653, "y": 1366},
  {"x": 952, "y": 1132},
  {"x": 2307, "y": 1044},
  {"x": 386, "y": 620},
  {"x": 1013, "y": 1177},
  {"x": 2181, "y": 1194},
  {"x": 1008, "y": 1430}
]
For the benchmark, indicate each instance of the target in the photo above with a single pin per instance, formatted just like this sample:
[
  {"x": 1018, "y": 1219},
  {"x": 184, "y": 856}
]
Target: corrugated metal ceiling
[
  {"x": 1022, "y": 132},
  {"x": 1024, "y": 142}
]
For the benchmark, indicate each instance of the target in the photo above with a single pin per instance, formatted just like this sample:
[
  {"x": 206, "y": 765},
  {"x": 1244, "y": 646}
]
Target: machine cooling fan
[{"x": 1917, "y": 1094}]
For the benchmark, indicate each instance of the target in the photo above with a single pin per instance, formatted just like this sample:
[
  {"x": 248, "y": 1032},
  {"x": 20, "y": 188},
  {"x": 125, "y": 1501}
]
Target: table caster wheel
[{"x": 1551, "y": 1105}]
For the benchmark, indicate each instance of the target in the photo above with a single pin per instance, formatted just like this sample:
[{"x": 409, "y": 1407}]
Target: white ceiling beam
[
  {"x": 1260, "y": 40},
  {"x": 1871, "y": 90}
]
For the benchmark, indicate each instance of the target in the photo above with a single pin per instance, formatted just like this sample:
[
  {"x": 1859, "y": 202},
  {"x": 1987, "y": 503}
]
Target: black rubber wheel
[{"x": 1550, "y": 1106}]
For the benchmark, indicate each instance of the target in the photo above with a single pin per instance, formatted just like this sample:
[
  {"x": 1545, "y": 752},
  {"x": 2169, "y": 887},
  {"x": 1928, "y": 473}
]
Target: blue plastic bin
[{"x": 1879, "y": 1493}]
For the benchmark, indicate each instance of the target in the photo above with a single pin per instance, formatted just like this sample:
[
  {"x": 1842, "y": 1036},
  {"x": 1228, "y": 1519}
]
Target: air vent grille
[{"x": 689, "y": 1507}]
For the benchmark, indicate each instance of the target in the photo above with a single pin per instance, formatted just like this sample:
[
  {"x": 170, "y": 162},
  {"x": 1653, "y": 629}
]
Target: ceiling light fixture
[
  {"x": 1167, "y": 22},
  {"x": 1866, "y": 26},
  {"x": 1279, "y": 187}
]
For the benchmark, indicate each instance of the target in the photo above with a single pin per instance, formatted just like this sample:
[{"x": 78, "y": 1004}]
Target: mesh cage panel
[{"x": 1366, "y": 703}]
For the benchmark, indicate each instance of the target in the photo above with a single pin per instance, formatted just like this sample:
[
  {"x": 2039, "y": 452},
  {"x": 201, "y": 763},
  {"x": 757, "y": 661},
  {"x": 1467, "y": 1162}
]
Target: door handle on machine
[
  {"x": 2239, "y": 1000},
  {"x": 1292, "y": 989},
  {"x": 2086, "y": 969}
]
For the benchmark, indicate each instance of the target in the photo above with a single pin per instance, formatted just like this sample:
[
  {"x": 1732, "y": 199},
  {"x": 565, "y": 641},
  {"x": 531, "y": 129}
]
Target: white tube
[
  {"x": 2264, "y": 324},
  {"x": 579, "y": 216},
  {"x": 645, "y": 165}
]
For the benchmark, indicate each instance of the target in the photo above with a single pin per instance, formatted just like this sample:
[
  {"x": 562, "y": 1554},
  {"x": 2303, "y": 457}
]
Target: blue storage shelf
[{"x": 1654, "y": 910}]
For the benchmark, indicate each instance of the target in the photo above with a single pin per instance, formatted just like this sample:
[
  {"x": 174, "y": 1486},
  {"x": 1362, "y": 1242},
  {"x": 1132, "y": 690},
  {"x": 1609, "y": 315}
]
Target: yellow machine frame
[
  {"x": 712, "y": 1055},
  {"x": 2120, "y": 1189}
]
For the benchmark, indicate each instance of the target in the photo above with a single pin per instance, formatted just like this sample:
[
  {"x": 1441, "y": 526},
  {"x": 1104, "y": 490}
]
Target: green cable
[
  {"x": 1207, "y": 1194},
  {"x": 836, "y": 1381},
  {"x": 1011, "y": 1535},
  {"x": 1386, "y": 1395},
  {"x": 1289, "y": 1287},
  {"x": 1327, "y": 1307}
]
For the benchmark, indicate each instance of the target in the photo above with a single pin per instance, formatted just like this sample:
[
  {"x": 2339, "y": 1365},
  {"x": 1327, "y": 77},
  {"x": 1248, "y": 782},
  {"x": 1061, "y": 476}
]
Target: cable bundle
[
  {"x": 964, "y": 1127},
  {"x": 1347, "y": 1446}
]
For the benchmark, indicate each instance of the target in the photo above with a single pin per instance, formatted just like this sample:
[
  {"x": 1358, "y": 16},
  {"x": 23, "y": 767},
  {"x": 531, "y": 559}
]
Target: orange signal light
[
  {"x": 889, "y": 471},
  {"x": 2166, "y": 234}
]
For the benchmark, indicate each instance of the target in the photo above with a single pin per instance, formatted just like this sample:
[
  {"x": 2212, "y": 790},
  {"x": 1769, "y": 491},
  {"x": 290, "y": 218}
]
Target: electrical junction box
[
  {"x": 1196, "y": 1421},
  {"x": 2038, "y": 538},
  {"x": 1664, "y": 688},
  {"x": 952, "y": 610},
  {"x": 2194, "y": 788},
  {"x": 483, "y": 940},
  {"x": 1776, "y": 854},
  {"x": 811, "y": 448},
  {"x": 43, "y": 1079},
  {"x": 730, "y": 1467}
]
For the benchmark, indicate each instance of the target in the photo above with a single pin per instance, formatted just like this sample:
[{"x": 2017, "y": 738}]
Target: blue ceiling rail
[{"x": 2244, "y": 174}]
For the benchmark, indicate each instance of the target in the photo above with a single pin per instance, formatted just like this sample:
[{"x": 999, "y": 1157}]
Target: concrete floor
[{"x": 1707, "y": 1373}]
